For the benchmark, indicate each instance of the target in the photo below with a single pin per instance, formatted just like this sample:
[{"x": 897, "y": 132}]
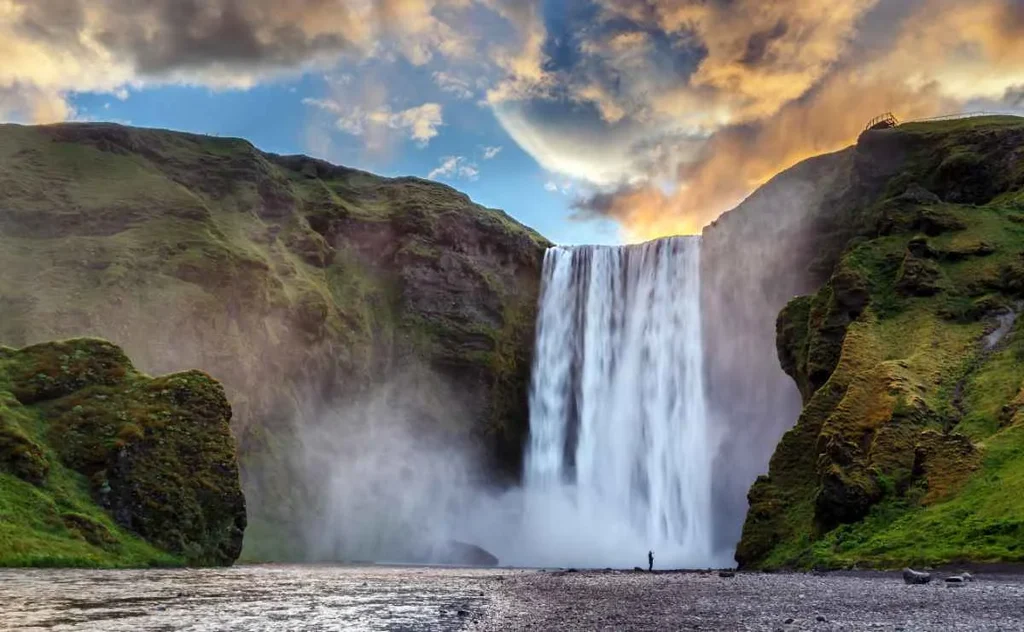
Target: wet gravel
[
  {"x": 301, "y": 598},
  {"x": 754, "y": 601}
]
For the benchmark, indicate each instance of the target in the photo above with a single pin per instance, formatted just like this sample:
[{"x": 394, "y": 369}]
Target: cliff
[
  {"x": 754, "y": 259},
  {"x": 103, "y": 466},
  {"x": 296, "y": 283},
  {"x": 907, "y": 359}
]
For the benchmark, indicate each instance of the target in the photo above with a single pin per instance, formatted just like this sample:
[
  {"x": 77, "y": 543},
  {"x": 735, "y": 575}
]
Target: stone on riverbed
[
  {"x": 910, "y": 576},
  {"x": 463, "y": 554}
]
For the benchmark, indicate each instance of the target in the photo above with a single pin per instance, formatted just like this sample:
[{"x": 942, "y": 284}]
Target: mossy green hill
[
  {"x": 294, "y": 282},
  {"x": 103, "y": 466},
  {"x": 910, "y": 362}
]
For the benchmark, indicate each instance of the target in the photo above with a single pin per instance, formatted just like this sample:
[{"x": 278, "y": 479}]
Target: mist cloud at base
[{"x": 395, "y": 479}]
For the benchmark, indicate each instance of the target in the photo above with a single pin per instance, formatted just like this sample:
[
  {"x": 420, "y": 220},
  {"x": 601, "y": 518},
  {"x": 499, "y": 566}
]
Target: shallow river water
[{"x": 265, "y": 597}]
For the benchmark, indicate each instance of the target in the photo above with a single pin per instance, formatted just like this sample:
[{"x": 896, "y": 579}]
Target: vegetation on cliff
[
  {"x": 294, "y": 282},
  {"x": 910, "y": 362},
  {"x": 103, "y": 466}
]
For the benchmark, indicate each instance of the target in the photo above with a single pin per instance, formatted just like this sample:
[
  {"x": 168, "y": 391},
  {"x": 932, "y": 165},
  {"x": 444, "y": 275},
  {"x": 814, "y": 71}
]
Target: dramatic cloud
[
  {"x": 49, "y": 48},
  {"x": 662, "y": 113},
  {"x": 697, "y": 103},
  {"x": 454, "y": 167}
]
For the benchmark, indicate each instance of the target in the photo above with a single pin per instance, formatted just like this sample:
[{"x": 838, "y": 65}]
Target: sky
[{"x": 593, "y": 121}]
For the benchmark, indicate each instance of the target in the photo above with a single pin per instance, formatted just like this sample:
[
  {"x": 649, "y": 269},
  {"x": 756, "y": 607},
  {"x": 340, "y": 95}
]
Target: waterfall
[{"x": 620, "y": 453}]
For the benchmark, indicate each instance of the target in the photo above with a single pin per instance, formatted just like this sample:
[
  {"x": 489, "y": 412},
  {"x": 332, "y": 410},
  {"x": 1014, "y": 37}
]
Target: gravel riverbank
[{"x": 612, "y": 600}]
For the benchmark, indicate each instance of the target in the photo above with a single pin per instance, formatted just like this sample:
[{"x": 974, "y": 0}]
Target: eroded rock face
[{"x": 157, "y": 453}]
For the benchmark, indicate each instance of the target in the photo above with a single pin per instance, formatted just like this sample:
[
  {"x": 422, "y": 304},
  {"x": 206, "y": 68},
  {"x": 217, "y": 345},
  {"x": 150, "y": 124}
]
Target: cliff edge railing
[{"x": 888, "y": 120}]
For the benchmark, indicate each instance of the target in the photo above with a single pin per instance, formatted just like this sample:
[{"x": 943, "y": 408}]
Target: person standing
[{"x": 650, "y": 561}]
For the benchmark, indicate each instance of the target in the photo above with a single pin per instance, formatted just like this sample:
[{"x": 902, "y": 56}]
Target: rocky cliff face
[
  {"x": 295, "y": 282},
  {"x": 780, "y": 242},
  {"x": 95, "y": 456},
  {"x": 907, "y": 362}
]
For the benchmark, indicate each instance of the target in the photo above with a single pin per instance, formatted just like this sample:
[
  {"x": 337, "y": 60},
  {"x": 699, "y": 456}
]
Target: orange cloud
[{"x": 806, "y": 86}]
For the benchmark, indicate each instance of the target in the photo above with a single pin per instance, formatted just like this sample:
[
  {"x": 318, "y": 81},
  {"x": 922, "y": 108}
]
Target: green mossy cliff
[
  {"x": 909, "y": 361},
  {"x": 103, "y": 466},
  {"x": 294, "y": 282}
]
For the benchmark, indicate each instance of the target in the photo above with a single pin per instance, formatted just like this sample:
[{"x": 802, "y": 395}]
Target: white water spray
[{"x": 620, "y": 453}]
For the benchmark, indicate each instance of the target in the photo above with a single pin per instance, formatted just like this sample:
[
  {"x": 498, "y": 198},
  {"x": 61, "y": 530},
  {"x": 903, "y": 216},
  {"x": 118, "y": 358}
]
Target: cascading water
[{"x": 620, "y": 452}]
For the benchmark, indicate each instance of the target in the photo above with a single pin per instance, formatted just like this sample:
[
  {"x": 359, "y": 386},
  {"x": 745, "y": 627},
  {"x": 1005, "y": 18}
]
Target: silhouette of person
[{"x": 650, "y": 560}]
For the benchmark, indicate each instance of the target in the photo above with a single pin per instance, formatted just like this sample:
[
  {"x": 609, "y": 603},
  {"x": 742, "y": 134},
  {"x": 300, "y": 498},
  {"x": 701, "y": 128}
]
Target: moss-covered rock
[
  {"x": 122, "y": 455},
  {"x": 918, "y": 277}
]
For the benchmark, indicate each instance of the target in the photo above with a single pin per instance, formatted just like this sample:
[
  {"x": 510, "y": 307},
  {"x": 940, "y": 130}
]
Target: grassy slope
[
  {"x": 910, "y": 450},
  {"x": 290, "y": 280},
  {"x": 71, "y": 414}
]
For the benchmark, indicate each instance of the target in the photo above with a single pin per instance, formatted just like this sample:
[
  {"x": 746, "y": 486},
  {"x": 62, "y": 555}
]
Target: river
[{"x": 243, "y": 598}]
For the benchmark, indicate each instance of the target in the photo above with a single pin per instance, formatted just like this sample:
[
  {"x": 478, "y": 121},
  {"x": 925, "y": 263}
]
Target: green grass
[
  {"x": 33, "y": 530},
  {"x": 944, "y": 128}
]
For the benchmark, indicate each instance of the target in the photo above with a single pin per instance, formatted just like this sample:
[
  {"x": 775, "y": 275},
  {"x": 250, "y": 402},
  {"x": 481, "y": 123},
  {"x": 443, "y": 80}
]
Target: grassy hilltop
[
  {"x": 910, "y": 363},
  {"x": 294, "y": 282}
]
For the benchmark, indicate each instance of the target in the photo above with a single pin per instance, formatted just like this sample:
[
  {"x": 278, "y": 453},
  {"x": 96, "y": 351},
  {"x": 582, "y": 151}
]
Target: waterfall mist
[{"x": 392, "y": 476}]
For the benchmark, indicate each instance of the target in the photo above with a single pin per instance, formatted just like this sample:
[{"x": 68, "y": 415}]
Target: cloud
[
  {"x": 668, "y": 111},
  {"x": 491, "y": 152},
  {"x": 30, "y": 105},
  {"x": 50, "y": 48},
  {"x": 674, "y": 111},
  {"x": 455, "y": 167},
  {"x": 554, "y": 187},
  {"x": 419, "y": 123},
  {"x": 452, "y": 84},
  {"x": 521, "y": 62}
]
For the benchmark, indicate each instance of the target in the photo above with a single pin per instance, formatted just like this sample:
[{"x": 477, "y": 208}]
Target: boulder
[
  {"x": 463, "y": 554},
  {"x": 962, "y": 578},
  {"x": 910, "y": 576}
]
